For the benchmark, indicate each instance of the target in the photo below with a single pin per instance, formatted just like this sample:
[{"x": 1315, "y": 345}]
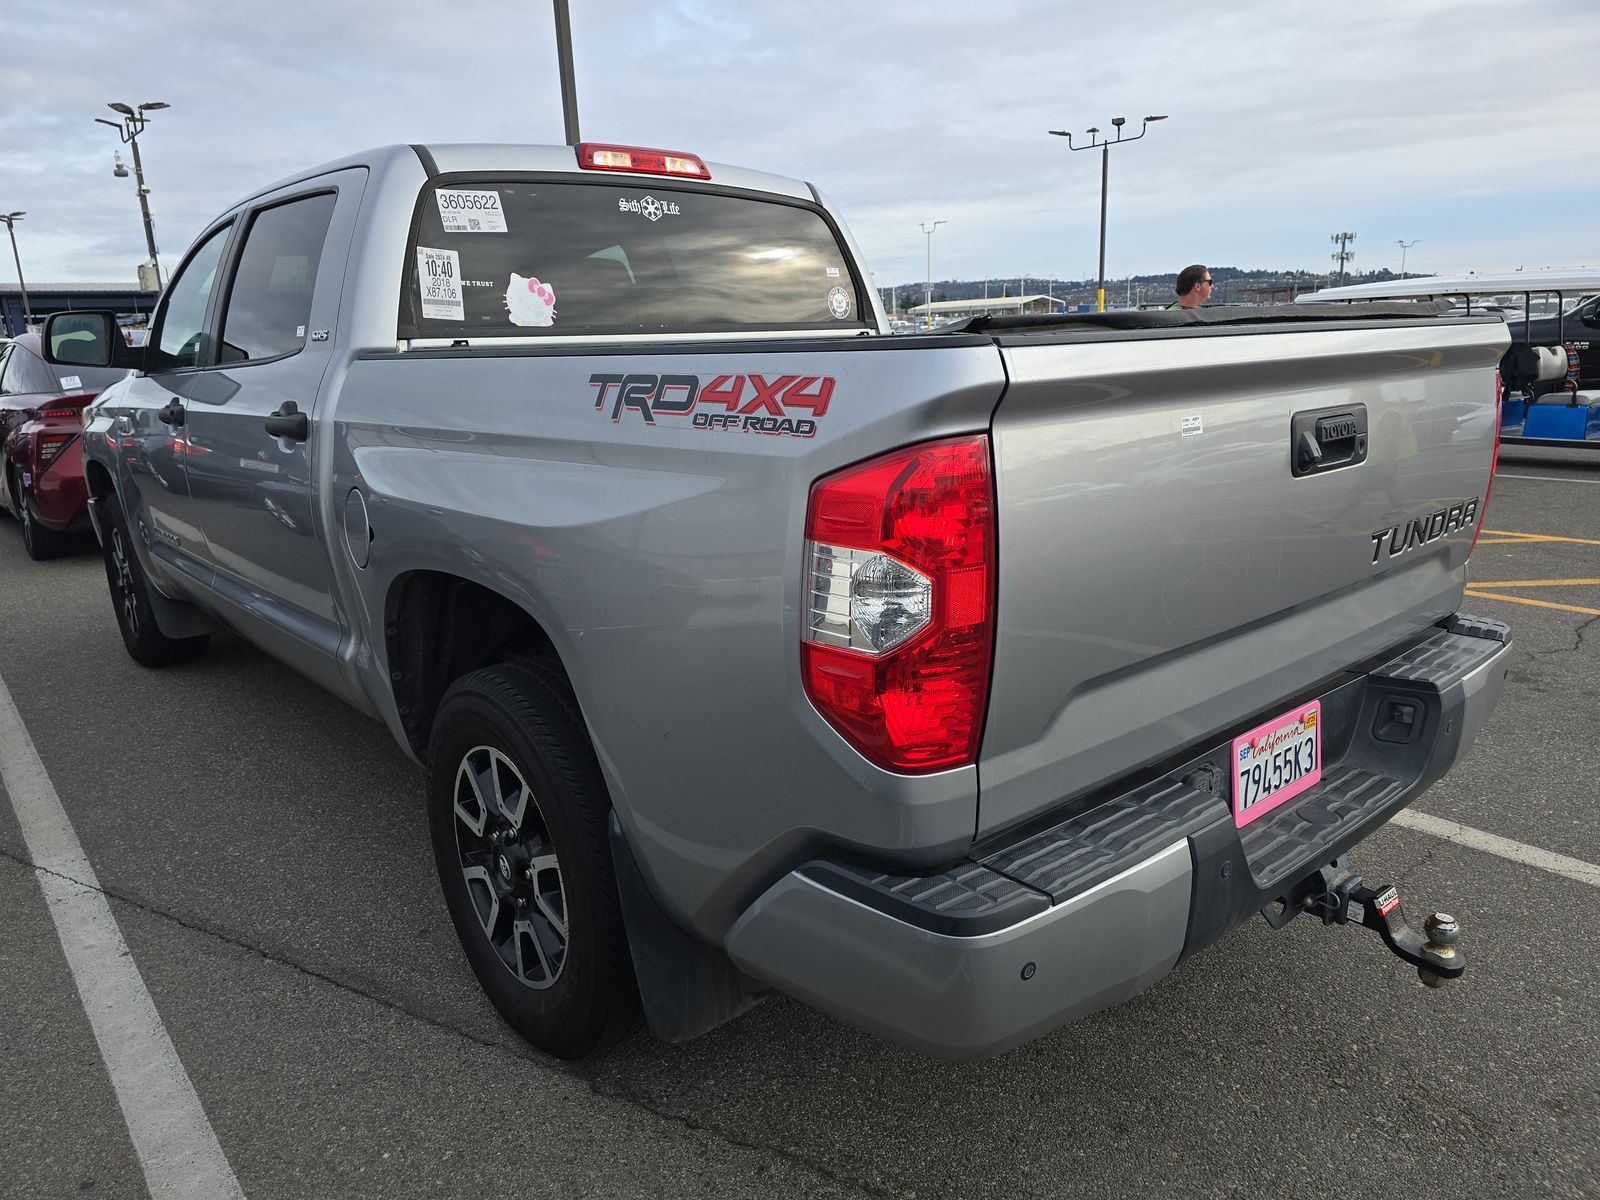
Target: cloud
[{"x": 1429, "y": 121}]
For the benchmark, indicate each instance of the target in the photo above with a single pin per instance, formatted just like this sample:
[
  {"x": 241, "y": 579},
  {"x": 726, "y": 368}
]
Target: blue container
[
  {"x": 1512, "y": 412},
  {"x": 1564, "y": 421}
]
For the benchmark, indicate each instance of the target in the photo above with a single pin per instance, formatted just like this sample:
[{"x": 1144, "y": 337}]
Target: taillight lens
[
  {"x": 900, "y": 583},
  {"x": 50, "y": 447},
  {"x": 1494, "y": 462}
]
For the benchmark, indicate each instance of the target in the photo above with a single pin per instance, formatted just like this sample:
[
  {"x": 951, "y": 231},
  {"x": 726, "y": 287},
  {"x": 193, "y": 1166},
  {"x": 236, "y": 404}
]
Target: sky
[{"x": 1466, "y": 127}]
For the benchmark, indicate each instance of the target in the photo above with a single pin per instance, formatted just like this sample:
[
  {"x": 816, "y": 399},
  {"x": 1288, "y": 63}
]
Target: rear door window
[
  {"x": 269, "y": 302},
  {"x": 27, "y": 374},
  {"x": 506, "y": 258}
]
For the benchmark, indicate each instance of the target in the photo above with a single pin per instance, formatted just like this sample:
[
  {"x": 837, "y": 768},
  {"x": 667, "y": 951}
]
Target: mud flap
[{"x": 687, "y": 987}]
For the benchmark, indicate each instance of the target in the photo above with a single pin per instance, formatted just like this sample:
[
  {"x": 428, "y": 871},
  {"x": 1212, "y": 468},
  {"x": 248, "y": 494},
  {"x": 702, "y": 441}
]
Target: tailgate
[{"x": 1164, "y": 575}]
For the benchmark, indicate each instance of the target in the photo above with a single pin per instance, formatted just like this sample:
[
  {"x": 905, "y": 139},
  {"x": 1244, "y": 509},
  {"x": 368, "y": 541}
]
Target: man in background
[{"x": 1194, "y": 287}]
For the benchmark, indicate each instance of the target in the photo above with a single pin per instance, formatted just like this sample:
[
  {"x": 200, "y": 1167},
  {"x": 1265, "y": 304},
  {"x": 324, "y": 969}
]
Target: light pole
[
  {"x": 11, "y": 227},
  {"x": 1404, "y": 246},
  {"x": 927, "y": 286},
  {"x": 128, "y": 129},
  {"x": 1105, "y": 173},
  {"x": 569, "y": 86}
]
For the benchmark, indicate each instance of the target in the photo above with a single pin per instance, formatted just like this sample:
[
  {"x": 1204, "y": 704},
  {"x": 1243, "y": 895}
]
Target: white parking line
[
  {"x": 1547, "y": 478},
  {"x": 177, "y": 1148},
  {"x": 1477, "y": 839}
]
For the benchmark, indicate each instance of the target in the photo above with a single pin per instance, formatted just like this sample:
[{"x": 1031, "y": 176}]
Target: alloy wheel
[
  {"x": 509, "y": 865},
  {"x": 126, "y": 599}
]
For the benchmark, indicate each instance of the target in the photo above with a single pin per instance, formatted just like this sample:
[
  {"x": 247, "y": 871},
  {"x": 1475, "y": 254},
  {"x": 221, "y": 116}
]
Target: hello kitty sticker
[{"x": 529, "y": 302}]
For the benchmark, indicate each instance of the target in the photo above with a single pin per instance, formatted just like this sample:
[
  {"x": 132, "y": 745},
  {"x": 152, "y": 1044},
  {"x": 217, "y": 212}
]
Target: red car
[{"x": 41, "y": 467}]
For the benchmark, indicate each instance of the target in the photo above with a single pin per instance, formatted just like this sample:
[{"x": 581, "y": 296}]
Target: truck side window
[
  {"x": 269, "y": 304},
  {"x": 182, "y": 321}
]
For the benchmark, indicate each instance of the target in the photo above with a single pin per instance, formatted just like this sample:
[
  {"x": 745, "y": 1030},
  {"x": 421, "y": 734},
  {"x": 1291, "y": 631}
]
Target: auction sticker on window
[
  {"x": 439, "y": 277},
  {"x": 465, "y": 211},
  {"x": 1275, "y": 762}
]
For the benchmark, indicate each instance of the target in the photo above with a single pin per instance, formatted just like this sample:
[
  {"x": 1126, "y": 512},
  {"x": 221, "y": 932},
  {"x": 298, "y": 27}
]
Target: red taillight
[
  {"x": 61, "y": 414},
  {"x": 900, "y": 588},
  {"x": 1494, "y": 461},
  {"x": 598, "y": 156}
]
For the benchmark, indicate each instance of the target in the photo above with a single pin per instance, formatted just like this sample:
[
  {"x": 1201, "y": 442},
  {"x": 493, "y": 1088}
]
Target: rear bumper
[
  {"x": 64, "y": 507},
  {"x": 1058, "y": 922},
  {"x": 59, "y": 492}
]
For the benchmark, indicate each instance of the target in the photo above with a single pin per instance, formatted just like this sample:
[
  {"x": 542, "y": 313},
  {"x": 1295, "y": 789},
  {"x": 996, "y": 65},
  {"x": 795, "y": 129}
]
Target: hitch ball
[{"x": 1443, "y": 932}]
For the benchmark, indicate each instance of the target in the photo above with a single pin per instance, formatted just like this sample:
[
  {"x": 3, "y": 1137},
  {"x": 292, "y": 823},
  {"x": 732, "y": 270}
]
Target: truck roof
[
  {"x": 1568, "y": 281},
  {"x": 492, "y": 156}
]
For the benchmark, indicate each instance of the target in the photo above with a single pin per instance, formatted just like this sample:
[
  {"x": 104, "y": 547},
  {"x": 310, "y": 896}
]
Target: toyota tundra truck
[{"x": 957, "y": 684}]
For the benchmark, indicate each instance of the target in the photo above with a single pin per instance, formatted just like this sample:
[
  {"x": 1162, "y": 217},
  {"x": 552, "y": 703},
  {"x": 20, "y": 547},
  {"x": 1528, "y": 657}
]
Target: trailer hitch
[{"x": 1339, "y": 896}]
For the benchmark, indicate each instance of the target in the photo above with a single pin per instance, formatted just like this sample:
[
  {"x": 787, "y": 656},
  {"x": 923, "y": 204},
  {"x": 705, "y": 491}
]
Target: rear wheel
[
  {"x": 130, "y": 598},
  {"x": 40, "y": 541},
  {"x": 519, "y": 817}
]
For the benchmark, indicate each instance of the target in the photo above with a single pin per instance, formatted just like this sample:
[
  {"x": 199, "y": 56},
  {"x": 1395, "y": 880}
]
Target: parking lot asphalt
[{"x": 265, "y": 855}]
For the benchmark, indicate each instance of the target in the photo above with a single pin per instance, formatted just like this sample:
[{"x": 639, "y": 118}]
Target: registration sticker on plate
[{"x": 1275, "y": 762}]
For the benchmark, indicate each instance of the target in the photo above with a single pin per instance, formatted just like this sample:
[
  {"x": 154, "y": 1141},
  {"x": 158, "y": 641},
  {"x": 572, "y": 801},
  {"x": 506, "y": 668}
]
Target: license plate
[{"x": 1276, "y": 761}]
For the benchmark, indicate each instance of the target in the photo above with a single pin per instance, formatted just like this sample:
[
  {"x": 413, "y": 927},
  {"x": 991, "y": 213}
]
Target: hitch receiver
[{"x": 1338, "y": 895}]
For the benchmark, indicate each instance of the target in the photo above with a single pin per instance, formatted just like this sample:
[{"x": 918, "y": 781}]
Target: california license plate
[{"x": 1275, "y": 762}]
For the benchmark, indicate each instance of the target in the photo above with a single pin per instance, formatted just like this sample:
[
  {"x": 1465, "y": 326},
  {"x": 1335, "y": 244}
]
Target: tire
[
  {"x": 520, "y": 821},
  {"x": 130, "y": 599},
  {"x": 38, "y": 540}
]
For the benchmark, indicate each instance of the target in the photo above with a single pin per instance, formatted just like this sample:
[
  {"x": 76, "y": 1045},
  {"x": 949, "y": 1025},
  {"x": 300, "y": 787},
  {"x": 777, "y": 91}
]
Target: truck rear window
[{"x": 507, "y": 258}]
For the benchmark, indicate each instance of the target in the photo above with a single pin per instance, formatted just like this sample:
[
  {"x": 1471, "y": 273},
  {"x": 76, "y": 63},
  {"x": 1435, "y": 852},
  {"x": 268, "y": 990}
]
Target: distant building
[
  {"x": 45, "y": 298},
  {"x": 996, "y": 306}
]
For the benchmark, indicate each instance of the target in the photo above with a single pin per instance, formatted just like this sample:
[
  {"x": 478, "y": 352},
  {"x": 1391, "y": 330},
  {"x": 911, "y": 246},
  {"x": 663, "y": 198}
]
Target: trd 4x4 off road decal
[{"x": 746, "y": 403}]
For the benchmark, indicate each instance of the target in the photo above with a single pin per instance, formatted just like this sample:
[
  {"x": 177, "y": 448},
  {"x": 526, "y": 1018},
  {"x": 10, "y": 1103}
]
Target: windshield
[{"x": 507, "y": 258}]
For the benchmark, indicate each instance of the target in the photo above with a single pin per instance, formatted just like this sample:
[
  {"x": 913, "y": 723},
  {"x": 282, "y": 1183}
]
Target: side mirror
[
  {"x": 87, "y": 339},
  {"x": 1591, "y": 316}
]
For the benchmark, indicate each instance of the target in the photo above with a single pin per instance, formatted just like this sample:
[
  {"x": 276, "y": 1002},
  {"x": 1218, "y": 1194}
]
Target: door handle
[
  {"x": 172, "y": 414},
  {"x": 1325, "y": 439},
  {"x": 289, "y": 422}
]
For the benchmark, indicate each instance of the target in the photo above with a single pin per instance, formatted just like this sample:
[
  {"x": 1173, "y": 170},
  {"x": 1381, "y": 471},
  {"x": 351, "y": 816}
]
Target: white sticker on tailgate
[
  {"x": 463, "y": 211},
  {"x": 71, "y": 381},
  {"x": 439, "y": 276}
]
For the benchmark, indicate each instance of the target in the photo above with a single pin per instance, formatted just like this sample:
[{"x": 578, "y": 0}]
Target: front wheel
[
  {"x": 519, "y": 817},
  {"x": 130, "y": 598}
]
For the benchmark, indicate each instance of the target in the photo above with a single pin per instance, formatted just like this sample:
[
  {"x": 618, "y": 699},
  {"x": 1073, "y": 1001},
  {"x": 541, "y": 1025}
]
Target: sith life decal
[{"x": 745, "y": 403}]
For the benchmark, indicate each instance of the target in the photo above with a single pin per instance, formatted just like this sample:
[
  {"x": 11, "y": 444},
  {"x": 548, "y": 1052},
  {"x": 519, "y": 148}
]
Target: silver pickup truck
[{"x": 958, "y": 684}]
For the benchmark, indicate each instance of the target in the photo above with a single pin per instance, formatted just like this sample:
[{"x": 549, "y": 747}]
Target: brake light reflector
[
  {"x": 598, "y": 156},
  {"x": 899, "y": 634}
]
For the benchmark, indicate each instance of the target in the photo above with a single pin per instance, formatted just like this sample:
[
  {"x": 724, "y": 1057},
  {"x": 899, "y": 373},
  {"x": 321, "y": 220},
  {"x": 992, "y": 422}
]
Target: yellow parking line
[
  {"x": 1505, "y": 583},
  {"x": 1593, "y": 612},
  {"x": 1539, "y": 537}
]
